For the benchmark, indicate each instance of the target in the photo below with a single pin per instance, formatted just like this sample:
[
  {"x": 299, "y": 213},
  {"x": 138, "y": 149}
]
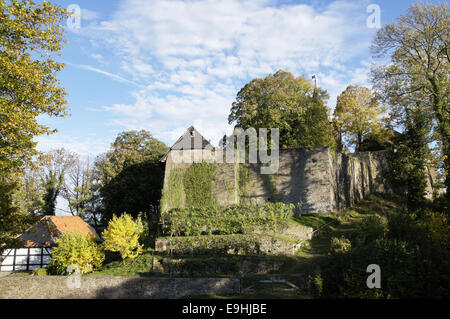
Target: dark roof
[
  {"x": 190, "y": 140},
  {"x": 49, "y": 228}
]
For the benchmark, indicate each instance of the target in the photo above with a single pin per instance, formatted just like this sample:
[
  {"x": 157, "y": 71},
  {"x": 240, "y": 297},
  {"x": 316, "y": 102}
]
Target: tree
[
  {"x": 410, "y": 154},
  {"x": 129, "y": 177},
  {"x": 288, "y": 103},
  {"x": 122, "y": 235},
  {"x": 78, "y": 189},
  {"x": 357, "y": 115},
  {"x": 53, "y": 174},
  {"x": 13, "y": 219},
  {"x": 29, "y": 195},
  {"x": 418, "y": 47},
  {"x": 30, "y": 36}
]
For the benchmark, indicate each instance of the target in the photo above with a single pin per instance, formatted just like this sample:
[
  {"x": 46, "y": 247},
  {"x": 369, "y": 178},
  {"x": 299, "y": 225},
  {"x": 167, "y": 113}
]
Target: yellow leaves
[
  {"x": 78, "y": 249},
  {"x": 122, "y": 235},
  {"x": 357, "y": 113},
  {"x": 28, "y": 85}
]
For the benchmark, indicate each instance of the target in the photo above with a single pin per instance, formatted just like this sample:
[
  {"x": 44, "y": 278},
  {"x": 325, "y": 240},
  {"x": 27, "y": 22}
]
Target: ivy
[
  {"x": 197, "y": 184},
  {"x": 174, "y": 195}
]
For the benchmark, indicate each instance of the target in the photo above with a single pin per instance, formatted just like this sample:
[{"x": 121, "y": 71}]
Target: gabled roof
[
  {"x": 49, "y": 228},
  {"x": 190, "y": 140}
]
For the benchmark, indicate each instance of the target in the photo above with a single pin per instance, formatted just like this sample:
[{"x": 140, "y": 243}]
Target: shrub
[
  {"x": 40, "y": 272},
  {"x": 216, "y": 244},
  {"x": 408, "y": 271},
  {"x": 227, "y": 220},
  {"x": 340, "y": 245},
  {"x": 122, "y": 235},
  {"x": 78, "y": 249},
  {"x": 371, "y": 229},
  {"x": 439, "y": 229},
  {"x": 316, "y": 284}
]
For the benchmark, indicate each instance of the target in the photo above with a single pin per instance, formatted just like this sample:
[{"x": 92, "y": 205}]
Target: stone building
[{"x": 316, "y": 179}]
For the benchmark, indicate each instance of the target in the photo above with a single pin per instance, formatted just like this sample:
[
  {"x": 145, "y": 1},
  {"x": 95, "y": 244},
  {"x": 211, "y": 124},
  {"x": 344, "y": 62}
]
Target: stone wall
[
  {"x": 92, "y": 287},
  {"x": 314, "y": 178}
]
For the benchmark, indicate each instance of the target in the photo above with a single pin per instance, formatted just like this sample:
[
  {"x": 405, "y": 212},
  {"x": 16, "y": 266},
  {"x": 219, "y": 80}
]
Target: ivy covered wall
[{"x": 312, "y": 179}]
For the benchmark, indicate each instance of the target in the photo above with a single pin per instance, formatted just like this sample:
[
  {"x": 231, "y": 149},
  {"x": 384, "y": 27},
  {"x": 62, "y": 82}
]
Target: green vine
[
  {"x": 174, "y": 195},
  {"x": 197, "y": 182}
]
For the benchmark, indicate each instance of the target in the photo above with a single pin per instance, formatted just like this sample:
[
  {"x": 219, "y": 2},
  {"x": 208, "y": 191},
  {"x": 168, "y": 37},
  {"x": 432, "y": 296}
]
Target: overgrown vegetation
[
  {"x": 173, "y": 195},
  {"x": 215, "y": 244},
  {"x": 76, "y": 249},
  {"x": 227, "y": 220},
  {"x": 379, "y": 230},
  {"x": 190, "y": 187},
  {"x": 122, "y": 235},
  {"x": 197, "y": 182}
]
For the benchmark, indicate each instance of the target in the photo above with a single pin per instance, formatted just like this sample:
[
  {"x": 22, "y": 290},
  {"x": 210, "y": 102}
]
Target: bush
[
  {"x": 371, "y": 229},
  {"x": 439, "y": 229},
  {"x": 122, "y": 235},
  {"x": 40, "y": 272},
  {"x": 227, "y": 220},
  {"x": 316, "y": 284},
  {"x": 216, "y": 244},
  {"x": 407, "y": 271},
  {"x": 78, "y": 249},
  {"x": 340, "y": 245}
]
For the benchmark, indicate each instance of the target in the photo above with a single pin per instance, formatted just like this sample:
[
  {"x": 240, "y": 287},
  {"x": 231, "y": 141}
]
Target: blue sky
[{"x": 165, "y": 65}]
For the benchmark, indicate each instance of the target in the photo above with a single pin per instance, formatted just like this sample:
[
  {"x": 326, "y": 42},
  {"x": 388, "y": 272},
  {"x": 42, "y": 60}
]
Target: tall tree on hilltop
[
  {"x": 357, "y": 115},
  {"x": 418, "y": 47},
  {"x": 292, "y": 105}
]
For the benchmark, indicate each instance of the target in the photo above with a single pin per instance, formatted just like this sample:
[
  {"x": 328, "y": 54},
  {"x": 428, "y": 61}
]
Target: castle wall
[{"x": 312, "y": 178}]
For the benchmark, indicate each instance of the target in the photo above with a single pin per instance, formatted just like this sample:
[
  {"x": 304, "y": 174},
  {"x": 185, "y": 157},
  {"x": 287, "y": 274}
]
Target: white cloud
[
  {"x": 85, "y": 147},
  {"x": 193, "y": 57},
  {"x": 88, "y": 14},
  {"x": 112, "y": 76}
]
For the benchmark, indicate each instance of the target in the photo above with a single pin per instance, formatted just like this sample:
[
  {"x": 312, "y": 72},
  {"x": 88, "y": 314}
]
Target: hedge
[
  {"x": 227, "y": 220},
  {"x": 218, "y": 244}
]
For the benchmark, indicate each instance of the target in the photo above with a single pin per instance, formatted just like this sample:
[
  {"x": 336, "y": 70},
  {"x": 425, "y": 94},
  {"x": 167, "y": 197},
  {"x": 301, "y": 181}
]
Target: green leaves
[
  {"x": 129, "y": 175},
  {"x": 227, "y": 220},
  {"x": 30, "y": 34},
  {"x": 357, "y": 115},
  {"x": 291, "y": 104},
  {"x": 197, "y": 184},
  {"x": 418, "y": 73}
]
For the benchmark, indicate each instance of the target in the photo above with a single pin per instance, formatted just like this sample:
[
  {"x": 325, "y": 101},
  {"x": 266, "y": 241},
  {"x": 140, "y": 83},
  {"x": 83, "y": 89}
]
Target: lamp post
[{"x": 315, "y": 86}]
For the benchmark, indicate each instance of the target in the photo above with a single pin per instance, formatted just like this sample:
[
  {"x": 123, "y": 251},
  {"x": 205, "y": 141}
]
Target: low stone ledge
[{"x": 103, "y": 287}]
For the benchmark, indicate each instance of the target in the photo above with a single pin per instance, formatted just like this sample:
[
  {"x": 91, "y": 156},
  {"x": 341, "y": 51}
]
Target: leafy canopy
[
  {"x": 418, "y": 73},
  {"x": 30, "y": 36},
  {"x": 129, "y": 176},
  {"x": 291, "y": 104},
  {"x": 357, "y": 114}
]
